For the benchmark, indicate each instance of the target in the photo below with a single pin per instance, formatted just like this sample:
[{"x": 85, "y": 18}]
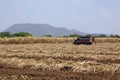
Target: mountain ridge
[{"x": 42, "y": 29}]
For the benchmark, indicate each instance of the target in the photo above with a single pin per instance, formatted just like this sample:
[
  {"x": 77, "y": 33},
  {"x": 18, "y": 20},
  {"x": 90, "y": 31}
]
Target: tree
[
  {"x": 111, "y": 35},
  {"x": 102, "y": 35},
  {"x": 116, "y": 35},
  {"x": 47, "y": 36},
  {"x": 5, "y": 34},
  {"x": 74, "y": 35},
  {"x": 21, "y": 34}
]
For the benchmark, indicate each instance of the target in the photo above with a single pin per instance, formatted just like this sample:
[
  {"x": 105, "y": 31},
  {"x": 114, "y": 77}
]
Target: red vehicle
[{"x": 84, "y": 40}]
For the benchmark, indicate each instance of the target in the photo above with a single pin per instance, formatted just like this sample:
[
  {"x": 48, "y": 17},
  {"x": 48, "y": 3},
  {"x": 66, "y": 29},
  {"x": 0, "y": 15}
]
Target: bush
[
  {"x": 103, "y": 35},
  {"x": 21, "y": 34}
]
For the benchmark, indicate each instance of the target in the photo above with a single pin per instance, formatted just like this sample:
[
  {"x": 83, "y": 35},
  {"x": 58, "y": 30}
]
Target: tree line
[
  {"x": 26, "y": 34},
  {"x": 101, "y": 35},
  {"x": 18, "y": 34}
]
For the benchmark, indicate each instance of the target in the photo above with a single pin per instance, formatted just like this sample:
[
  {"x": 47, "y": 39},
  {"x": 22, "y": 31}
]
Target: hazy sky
[{"x": 92, "y": 16}]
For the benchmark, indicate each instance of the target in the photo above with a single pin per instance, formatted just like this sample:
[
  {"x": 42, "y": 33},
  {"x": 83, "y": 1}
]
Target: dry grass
[
  {"x": 101, "y": 58},
  {"x": 107, "y": 40},
  {"x": 33, "y": 40},
  {"x": 59, "y": 54}
]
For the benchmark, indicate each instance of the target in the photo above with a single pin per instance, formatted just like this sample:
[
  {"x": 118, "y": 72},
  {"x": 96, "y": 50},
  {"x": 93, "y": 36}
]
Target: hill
[{"x": 41, "y": 29}]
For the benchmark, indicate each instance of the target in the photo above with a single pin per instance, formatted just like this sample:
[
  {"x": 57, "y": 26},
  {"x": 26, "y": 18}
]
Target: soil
[{"x": 9, "y": 72}]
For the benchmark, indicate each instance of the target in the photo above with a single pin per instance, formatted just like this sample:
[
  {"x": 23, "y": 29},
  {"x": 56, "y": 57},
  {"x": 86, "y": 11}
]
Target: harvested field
[
  {"x": 34, "y": 40},
  {"x": 60, "y": 61}
]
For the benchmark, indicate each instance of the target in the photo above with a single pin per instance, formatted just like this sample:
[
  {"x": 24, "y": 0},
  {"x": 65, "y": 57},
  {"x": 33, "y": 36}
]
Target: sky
[{"x": 91, "y": 16}]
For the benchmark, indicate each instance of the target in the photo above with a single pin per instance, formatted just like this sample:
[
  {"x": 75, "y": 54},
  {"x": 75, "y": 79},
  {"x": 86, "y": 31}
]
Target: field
[{"x": 59, "y": 59}]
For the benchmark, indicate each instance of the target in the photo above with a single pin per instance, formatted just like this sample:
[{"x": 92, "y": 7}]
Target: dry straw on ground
[
  {"x": 32, "y": 40},
  {"x": 97, "y": 58},
  {"x": 59, "y": 54}
]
